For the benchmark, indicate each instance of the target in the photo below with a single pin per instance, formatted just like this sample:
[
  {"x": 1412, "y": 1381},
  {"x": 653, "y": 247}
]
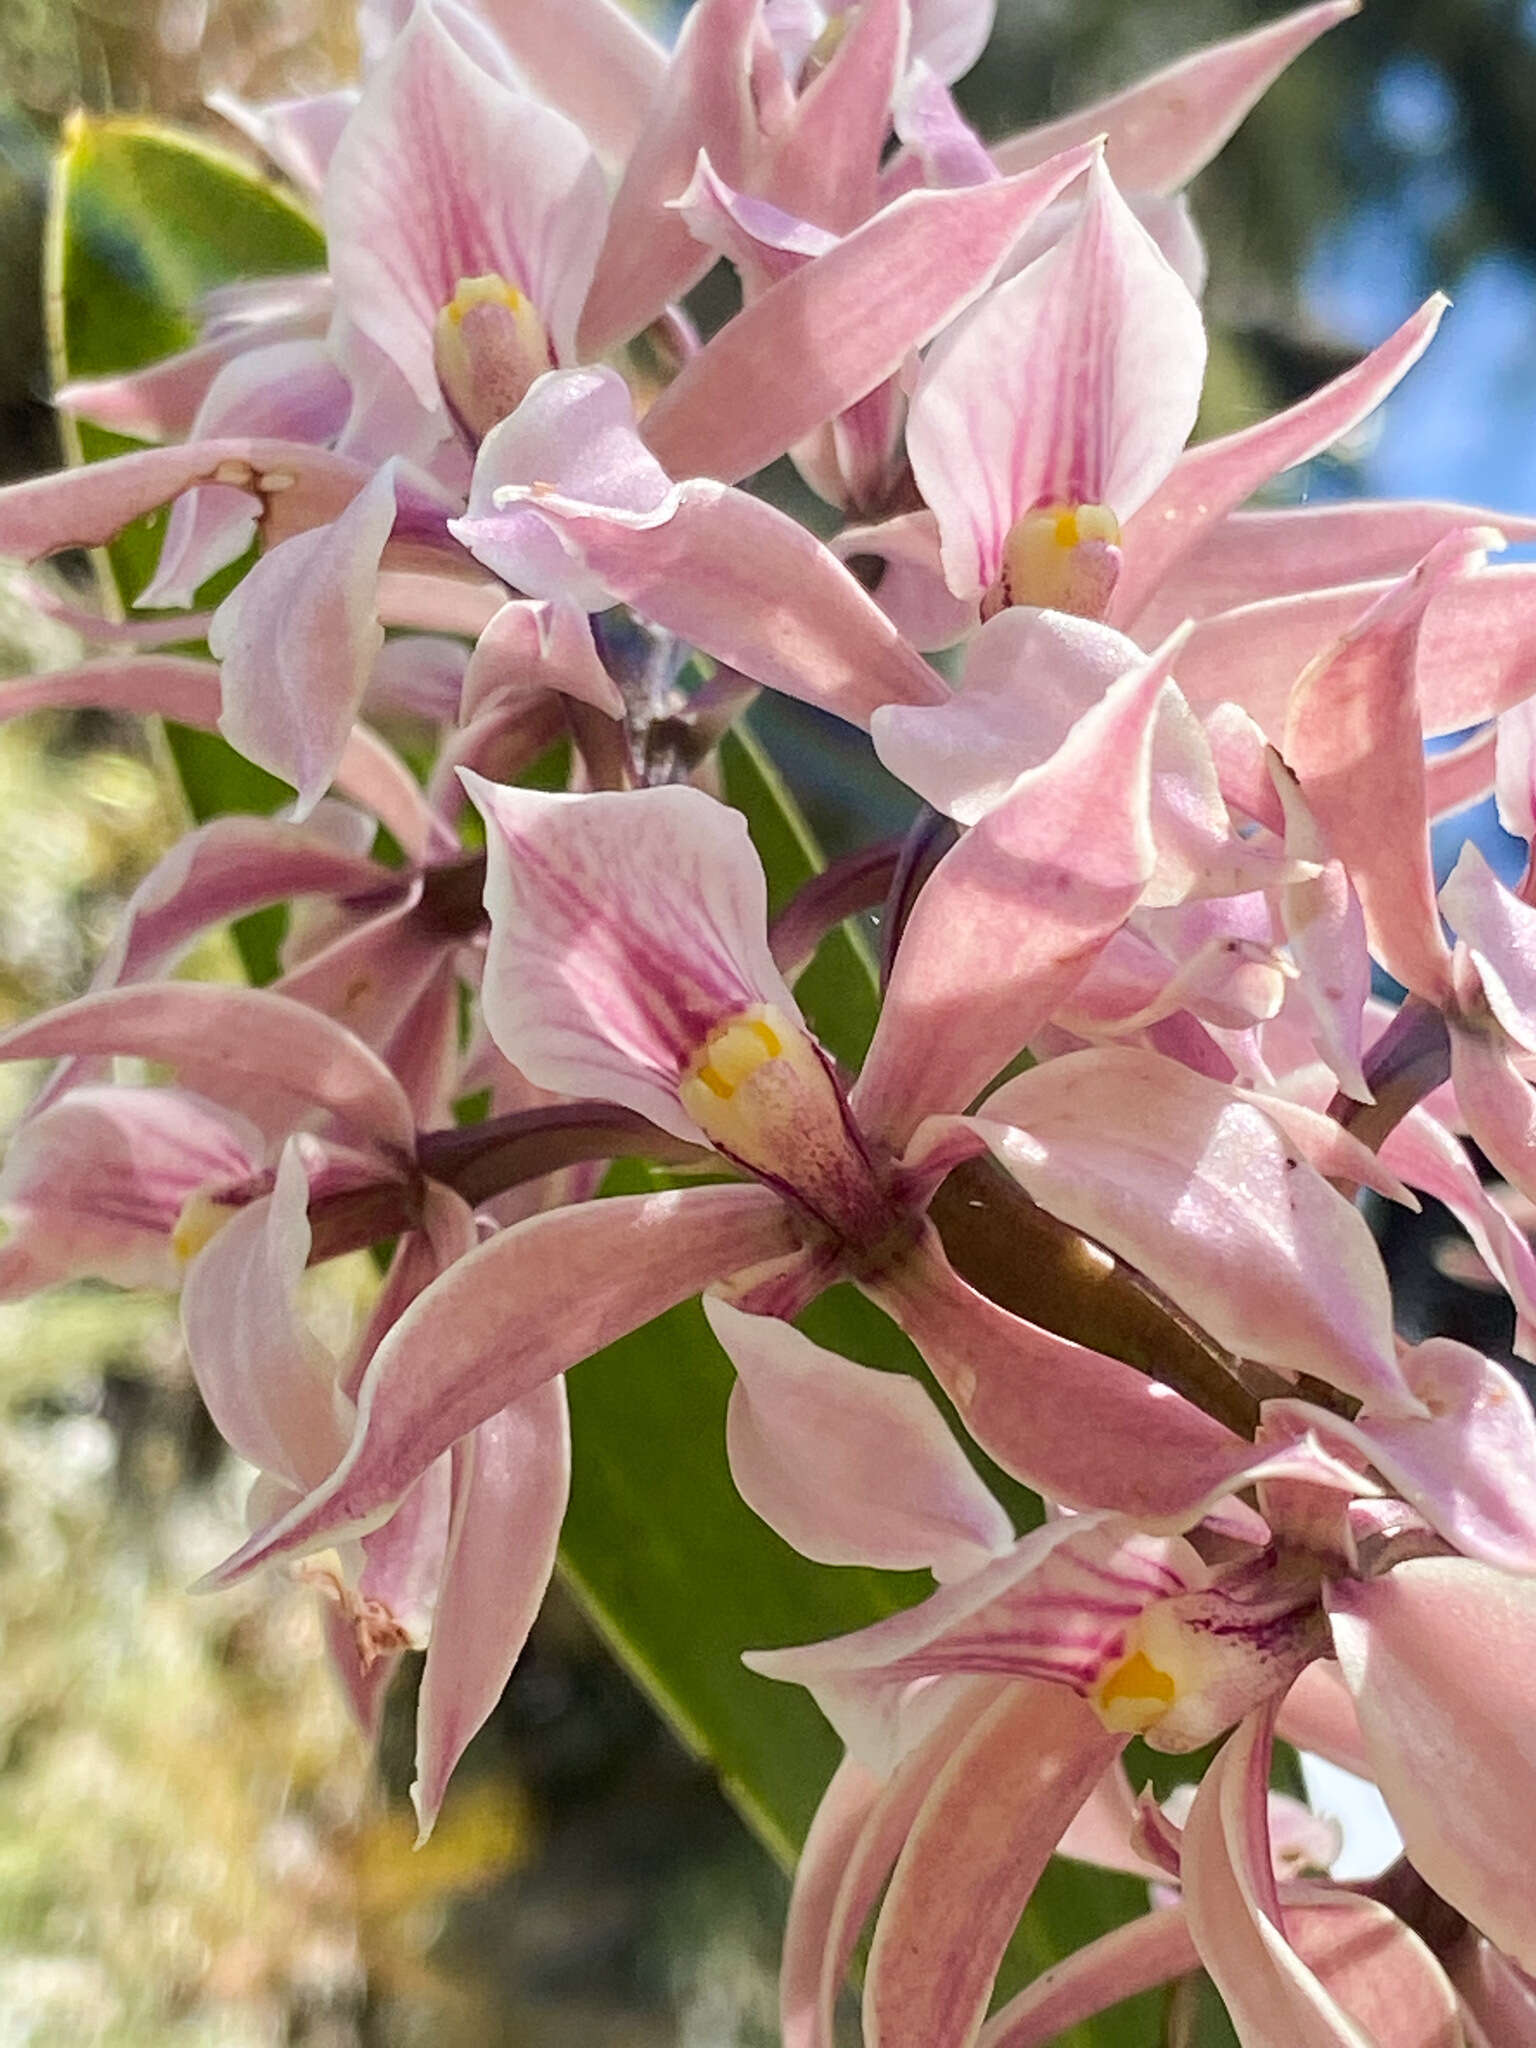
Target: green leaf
[{"x": 143, "y": 221}]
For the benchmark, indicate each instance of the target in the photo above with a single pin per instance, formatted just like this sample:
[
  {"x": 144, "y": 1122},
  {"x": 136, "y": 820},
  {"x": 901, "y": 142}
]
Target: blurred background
[{"x": 193, "y": 1848}]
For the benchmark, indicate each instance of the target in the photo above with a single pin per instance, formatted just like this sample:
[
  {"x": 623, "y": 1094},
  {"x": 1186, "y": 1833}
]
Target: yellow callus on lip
[
  {"x": 735, "y": 1052},
  {"x": 757, "y": 1087},
  {"x": 200, "y": 1221},
  {"x": 1065, "y": 558},
  {"x": 1134, "y": 1695},
  {"x": 489, "y": 344}
]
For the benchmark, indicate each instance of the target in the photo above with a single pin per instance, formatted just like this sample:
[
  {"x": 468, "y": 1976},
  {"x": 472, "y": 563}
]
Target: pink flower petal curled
[
  {"x": 1438, "y": 1655},
  {"x": 850, "y": 1465},
  {"x": 1076, "y": 382},
  {"x": 1139, "y": 1956},
  {"x": 884, "y": 290},
  {"x": 92, "y": 1186},
  {"x": 974, "y": 1856},
  {"x": 1165, "y": 128},
  {"x": 296, "y": 641},
  {"x": 511, "y": 1479},
  {"x": 258, "y": 1053},
  {"x": 444, "y": 173},
  {"x": 507, "y": 1319},
  {"x": 1014, "y": 915},
  {"x": 1191, "y": 1183},
  {"x": 1217, "y": 476},
  {"x": 624, "y": 928}
]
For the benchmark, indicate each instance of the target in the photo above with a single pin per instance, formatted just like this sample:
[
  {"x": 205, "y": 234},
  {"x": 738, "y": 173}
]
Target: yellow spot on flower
[
  {"x": 734, "y": 1053},
  {"x": 1063, "y": 557},
  {"x": 1135, "y": 1695},
  {"x": 491, "y": 290},
  {"x": 200, "y": 1221}
]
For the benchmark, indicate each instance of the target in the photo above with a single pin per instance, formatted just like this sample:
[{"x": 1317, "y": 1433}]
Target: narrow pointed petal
[
  {"x": 159, "y": 402},
  {"x": 268, "y": 1381},
  {"x": 972, "y": 1860},
  {"x": 592, "y": 60},
  {"x": 1354, "y": 740},
  {"x": 1165, "y": 128},
  {"x": 92, "y": 1186},
  {"x": 1069, "y": 1422},
  {"x": 286, "y": 390},
  {"x": 445, "y": 173},
  {"x": 1229, "y": 1893},
  {"x": 845, "y": 1809},
  {"x": 850, "y": 1465},
  {"x": 1012, "y": 917},
  {"x": 1213, "y": 1203},
  {"x": 296, "y": 641},
  {"x": 260, "y": 1054},
  {"x": 1437, "y": 1654},
  {"x": 624, "y": 929},
  {"x": 1466, "y": 1465},
  {"x": 704, "y": 101},
  {"x": 299, "y": 487},
  {"x": 1432, "y": 1159},
  {"x": 739, "y": 580},
  {"x": 825, "y": 163},
  {"x": 511, "y": 1483},
  {"x": 1075, "y": 383},
  {"x": 1252, "y": 556},
  {"x": 1212, "y": 479},
  {"x": 1139, "y": 1956},
  {"x": 507, "y": 1319},
  {"x": 884, "y": 290}
]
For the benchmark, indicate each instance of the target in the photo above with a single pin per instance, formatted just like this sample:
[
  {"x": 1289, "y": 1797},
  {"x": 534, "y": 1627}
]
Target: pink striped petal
[
  {"x": 1354, "y": 740},
  {"x": 1012, "y": 917},
  {"x": 92, "y": 1186},
  {"x": 511, "y": 1479},
  {"x": 1024, "y": 1393},
  {"x": 296, "y": 641},
  {"x": 1075, "y": 383},
  {"x": 268, "y": 1381},
  {"x": 824, "y": 164},
  {"x": 974, "y": 1856},
  {"x": 884, "y": 290},
  {"x": 1466, "y": 1465},
  {"x": 1139, "y": 1956},
  {"x": 625, "y": 928},
  {"x": 1438, "y": 1655},
  {"x": 1374, "y": 1966},
  {"x": 509, "y": 1318},
  {"x": 1193, "y": 1185},
  {"x": 256, "y": 1052},
  {"x": 1252, "y": 556},
  {"x": 1212, "y": 479},
  {"x": 1165, "y": 128},
  {"x": 850, "y": 1465},
  {"x": 285, "y": 390},
  {"x": 446, "y": 173},
  {"x": 704, "y": 101}
]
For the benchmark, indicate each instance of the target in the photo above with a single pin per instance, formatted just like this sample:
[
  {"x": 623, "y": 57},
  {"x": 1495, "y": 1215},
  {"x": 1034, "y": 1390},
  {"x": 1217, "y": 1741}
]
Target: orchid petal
[
  {"x": 1466, "y": 1465},
  {"x": 1139, "y": 1956},
  {"x": 933, "y": 129},
  {"x": 1077, "y": 382},
  {"x": 93, "y": 1185},
  {"x": 297, "y": 639},
  {"x": 1211, "y": 479},
  {"x": 1251, "y": 556},
  {"x": 1069, "y": 1422},
  {"x": 974, "y": 1856},
  {"x": 704, "y": 101},
  {"x": 763, "y": 241},
  {"x": 260, "y": 1054},
  {"x": 445, "y": 173},
  {"x": 851, "y": 1797},
  {"x": 1495, "y": 1100},
  {"x": 1325, "y": 927},
  {"x": 1009, "y": 921},
  {"x": 1354, "y": 741},
  {"x": 286, "y": 390},
  {"x": 1193, "y": 1185},
  {"x": 1165, "y": 128},
  {"x": 299, "y": 135},
  {"x": 625, "y": 927},
  {"x": 1499, "y": 1999},
  {"x": 885, "y": 289},
  {"x": 850, "y": 1465},
  {"x": 591, "y": 59},
  {"x": 268, "y": 1382},
  {"x": 532, "y": 646},
  {"x": 511, "y": 1482},
  {"x": 908, "y": 579},
  {"x": 825, "y": 162},
  {"x": 1436, "y": 1654},
  {"x": 1317, "y": 1714},
  {"x": 507, "y": 1319},
  {"x": 1498, "y": 930}
]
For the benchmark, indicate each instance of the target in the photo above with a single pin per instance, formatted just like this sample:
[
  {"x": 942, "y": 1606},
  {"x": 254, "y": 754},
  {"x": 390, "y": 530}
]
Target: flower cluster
[{"x": 1173, "y": 806}]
